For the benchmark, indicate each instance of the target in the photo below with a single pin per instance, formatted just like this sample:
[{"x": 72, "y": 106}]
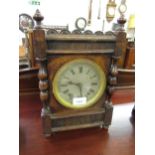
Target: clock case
[{"x": 54, "y": 50}]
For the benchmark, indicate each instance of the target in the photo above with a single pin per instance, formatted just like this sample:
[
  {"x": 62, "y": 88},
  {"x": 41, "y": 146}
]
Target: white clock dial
[{"x": 81, "y": 79}]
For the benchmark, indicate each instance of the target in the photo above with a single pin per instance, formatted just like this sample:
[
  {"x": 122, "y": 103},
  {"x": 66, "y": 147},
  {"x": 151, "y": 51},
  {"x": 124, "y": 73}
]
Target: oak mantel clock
[{"x": 77, "y": 76}]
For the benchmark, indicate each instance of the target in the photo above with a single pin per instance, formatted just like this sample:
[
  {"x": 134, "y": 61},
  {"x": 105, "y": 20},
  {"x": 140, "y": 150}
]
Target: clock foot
[
  {"x": 108, "y": 114},
  {"x": 46, "y": 122},
  {"x": 101, "y": 126},
  {"x": 106, "y": 127}
]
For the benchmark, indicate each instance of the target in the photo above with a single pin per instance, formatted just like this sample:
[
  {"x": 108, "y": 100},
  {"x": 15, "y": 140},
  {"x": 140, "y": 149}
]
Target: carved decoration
[
  {"x": 65, "y": 32},
  {"x": 112, "y": 80},
  {"x": 52, "y": 31},
  {"x": 55, "y": 51},
  {"x": 99, "y": 33},
  {"x": 38, "y": 18},
  {"x": 76, "y": 32},
  {"x": 88, "y": 32}
]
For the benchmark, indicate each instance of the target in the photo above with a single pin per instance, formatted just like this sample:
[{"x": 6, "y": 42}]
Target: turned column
[
  {"x": 41, "y": 57},
  {"x": 117, "y": 60},
  {"x": 111, "y": 83}
]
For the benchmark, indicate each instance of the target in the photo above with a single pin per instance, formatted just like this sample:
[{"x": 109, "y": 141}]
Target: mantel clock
[{"x": 77, "y": 76}]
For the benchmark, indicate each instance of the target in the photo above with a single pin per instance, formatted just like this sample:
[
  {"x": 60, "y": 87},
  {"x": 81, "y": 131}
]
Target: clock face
[{"x": 79, "y": 84}]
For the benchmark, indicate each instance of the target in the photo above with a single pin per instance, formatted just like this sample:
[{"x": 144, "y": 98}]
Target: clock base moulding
[{"x": 95, "y": 118}]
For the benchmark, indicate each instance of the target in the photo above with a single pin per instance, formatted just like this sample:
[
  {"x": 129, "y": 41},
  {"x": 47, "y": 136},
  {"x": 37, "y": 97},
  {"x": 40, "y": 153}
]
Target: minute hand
[{"x": 78, "y": 85}]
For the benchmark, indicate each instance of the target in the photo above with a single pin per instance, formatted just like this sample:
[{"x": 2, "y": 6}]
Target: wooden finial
[
  {"x": 38, "y": 18},
  {"x": 121, "y": 22}
]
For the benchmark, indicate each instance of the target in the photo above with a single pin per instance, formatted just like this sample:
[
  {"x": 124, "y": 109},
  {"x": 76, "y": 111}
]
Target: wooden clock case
[{"x": 54, "y": 50}]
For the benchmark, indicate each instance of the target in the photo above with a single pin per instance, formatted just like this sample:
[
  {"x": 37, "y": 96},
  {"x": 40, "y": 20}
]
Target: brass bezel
[{"x": 97, "y": 95}]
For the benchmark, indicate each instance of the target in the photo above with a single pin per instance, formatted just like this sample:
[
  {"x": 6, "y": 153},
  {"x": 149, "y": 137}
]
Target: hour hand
[
  {"x": 72, "y": 83},
  {"x": 78, "y": 85}
]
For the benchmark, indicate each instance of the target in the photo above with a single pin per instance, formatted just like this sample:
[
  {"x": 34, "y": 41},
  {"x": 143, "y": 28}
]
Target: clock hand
[
  {"x": 70, "y": 82},
  {"x": 80, "y": 88},
  {"x": 79, "y": 85}
]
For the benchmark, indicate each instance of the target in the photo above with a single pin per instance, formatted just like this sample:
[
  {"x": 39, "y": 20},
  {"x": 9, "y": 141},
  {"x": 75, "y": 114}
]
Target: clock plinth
[{"x": 77, "y": 76}]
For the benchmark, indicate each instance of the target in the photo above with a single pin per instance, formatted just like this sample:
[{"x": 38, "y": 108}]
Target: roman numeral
[
  {"x": 70, "y": 96},
  {"x": 87, "y": 94},
  {"x": 72, "y": 71},
  {"x": 94, "y": 83},
  {"x": 80, "y": 69},
  {"x": 92, "y": 90},
  {"x": 66, "y": 91},
  {"x": 93, "y": 76},
  {"x": 63, "y": 85}
]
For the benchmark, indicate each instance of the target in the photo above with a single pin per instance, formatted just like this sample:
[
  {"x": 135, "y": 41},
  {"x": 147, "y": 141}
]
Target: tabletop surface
[{"x": 118, "y": 140}]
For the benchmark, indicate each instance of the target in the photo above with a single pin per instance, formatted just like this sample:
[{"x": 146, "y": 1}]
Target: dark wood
[
  {"x": 130, "y": 58},
  {"x": 126, "y": 77},
  {"x": 38, "y": 18},
  {"x": 123, "y": 96},
  {"x": 31, "y": 50},
  {"x": 54, "y": 50},
  {"x": 39, "y": 45},
  {"x": 28, "y": 81},
  {"x": 118, "y": 140},
  {"x": 122, "y": 44}
]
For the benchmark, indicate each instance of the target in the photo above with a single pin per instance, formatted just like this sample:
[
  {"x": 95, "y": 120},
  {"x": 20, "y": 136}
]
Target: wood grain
[
  {"x": 118, "y": 140},
  {"x": 48, "y": 66}
]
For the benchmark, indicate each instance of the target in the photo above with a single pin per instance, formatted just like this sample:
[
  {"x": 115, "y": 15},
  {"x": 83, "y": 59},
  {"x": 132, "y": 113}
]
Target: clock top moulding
[{"x": 113, "y": 45}]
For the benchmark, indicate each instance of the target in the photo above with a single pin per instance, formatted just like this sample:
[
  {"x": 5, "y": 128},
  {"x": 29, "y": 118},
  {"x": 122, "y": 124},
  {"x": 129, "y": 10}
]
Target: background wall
[{"x": 65, "y": 12}]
